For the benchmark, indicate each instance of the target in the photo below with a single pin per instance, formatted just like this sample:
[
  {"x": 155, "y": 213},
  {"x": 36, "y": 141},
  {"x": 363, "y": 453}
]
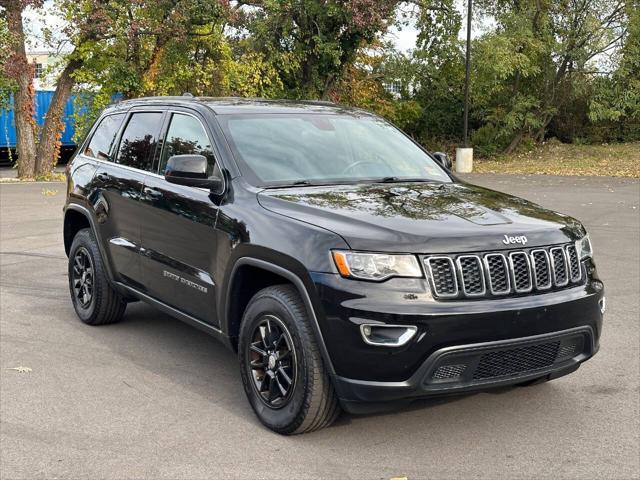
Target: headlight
[
  {"x": 584, "y": 248},
  {"x": 376, "y": 266}
]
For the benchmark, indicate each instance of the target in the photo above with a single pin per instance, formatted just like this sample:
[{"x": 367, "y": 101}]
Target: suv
[{"x": 346, "y": 265}]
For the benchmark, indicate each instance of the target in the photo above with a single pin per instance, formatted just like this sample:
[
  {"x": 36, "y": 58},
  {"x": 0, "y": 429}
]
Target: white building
[{"x": 44, "y": 76}]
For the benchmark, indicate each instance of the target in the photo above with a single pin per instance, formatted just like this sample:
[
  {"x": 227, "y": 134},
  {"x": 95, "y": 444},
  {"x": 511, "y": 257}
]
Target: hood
[{"x": 422, "y": 217}]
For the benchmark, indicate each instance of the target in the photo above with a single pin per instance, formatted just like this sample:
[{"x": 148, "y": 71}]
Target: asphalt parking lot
[{"x": 153, "y": 398}]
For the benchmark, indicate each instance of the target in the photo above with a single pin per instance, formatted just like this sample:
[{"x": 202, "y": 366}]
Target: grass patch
[{"x": 555, "y": 158}]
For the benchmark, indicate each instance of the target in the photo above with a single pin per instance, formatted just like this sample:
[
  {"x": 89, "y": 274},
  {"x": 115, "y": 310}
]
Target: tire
[
  {"x": 310, "y": 402},
  {"x": 103, "y": 305}
]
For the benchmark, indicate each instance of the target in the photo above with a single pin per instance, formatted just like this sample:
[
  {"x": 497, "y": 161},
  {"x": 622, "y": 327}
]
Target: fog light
[
  {"x": 603, "y": 305},
  {"x": 387, "y": 335}
]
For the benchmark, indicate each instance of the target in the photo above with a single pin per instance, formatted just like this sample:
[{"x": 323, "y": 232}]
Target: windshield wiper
[
  {"x": 298, "y": 183},
  {"x": 403, "y": 180}
]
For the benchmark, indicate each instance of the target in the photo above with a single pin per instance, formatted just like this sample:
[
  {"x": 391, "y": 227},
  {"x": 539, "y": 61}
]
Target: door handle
[{"x": 102, "y": 176}]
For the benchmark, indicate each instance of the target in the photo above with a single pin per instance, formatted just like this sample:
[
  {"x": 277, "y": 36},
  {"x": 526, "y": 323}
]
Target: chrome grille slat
[
  {"x": 442, "y": 276},
  {"x": 541, "y": 268},
  {"x": 493, "y": 274},
  {"x": 559, "y": 266},
  {"x": 575, "y": 270},
  {"x": 471, "y": 275},
  {"x": 520, "y": 272},
  {"x": 497, "y": 271}
]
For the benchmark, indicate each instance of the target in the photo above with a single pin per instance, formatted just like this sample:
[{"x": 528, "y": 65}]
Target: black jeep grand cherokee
[{"x": 345, "y": 264}]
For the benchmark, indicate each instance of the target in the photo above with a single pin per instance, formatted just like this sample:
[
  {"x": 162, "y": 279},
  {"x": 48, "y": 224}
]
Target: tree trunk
[
  {"x": 514, "y": 143},
  {"x": 49, "y": 145},
  {"x": 18, "y": 67},
  {"x": 539, "y": 136}
]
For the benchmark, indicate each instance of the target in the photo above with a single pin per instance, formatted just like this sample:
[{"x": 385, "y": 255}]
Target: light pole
[
  {"x": 464, "y": 155},
  {"x": 467, "y": 75}
]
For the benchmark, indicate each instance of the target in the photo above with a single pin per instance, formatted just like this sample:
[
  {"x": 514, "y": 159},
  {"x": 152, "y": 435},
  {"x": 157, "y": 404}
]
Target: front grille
[
  {"x": 509, "y": 273},
  {"x": 516, "y": 360}
]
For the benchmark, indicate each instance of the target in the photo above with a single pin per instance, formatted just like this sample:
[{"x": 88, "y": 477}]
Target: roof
[{"x": 236, "y": 105}]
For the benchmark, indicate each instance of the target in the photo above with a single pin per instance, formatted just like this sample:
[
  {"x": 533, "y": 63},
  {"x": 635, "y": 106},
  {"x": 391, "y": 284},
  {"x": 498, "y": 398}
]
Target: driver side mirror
[
  {"x": 191, "y": 171},
  {"x": 443, "y": 159}
]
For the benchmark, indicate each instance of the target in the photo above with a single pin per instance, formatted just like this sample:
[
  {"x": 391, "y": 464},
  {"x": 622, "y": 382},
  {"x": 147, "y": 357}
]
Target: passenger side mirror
[
  {"x": 191, "y": 171},
  {"x": 443, "y": 159}
]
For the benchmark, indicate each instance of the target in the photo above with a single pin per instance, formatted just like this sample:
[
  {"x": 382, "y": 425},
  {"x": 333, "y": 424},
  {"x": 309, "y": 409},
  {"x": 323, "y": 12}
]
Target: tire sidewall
[
  {"x": 84, "y": 240},
  {"x": 285, "y": 419}
]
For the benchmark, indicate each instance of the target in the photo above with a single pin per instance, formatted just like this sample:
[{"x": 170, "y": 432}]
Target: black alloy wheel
[
  {"x": 272, "y": 362},
  {"x": 83, "y": 277},
  {"x": 283, "y": 372}
]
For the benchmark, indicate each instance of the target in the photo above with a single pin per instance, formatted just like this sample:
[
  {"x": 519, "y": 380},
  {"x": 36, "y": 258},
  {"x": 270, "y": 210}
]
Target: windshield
[{"x": 285, "y": 149}]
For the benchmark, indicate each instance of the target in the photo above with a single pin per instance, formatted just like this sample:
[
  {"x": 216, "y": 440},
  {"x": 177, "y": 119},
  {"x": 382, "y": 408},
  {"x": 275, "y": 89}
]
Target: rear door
[
  {"x": 178, "y": 226},
  {"x": 118, "y": 183}
]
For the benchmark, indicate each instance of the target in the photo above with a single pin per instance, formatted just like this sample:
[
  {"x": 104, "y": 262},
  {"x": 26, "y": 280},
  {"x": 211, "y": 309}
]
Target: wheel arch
[
  {"x": 77, "y": 217},
  {"x": 74, "y": 221},
  {"x": 273, "y": 274}
]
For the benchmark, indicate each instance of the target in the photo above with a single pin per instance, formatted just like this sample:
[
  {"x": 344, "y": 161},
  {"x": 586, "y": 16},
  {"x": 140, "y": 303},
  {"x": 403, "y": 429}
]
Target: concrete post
[{"x": 464, "y": 160}]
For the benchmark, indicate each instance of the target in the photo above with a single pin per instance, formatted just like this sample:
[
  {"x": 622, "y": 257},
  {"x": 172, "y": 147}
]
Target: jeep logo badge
[{"x": 521, "y": 239}]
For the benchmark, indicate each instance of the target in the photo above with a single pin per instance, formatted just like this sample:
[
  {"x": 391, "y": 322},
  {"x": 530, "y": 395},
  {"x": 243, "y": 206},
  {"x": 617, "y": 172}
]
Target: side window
[
  {"x": 100, "y": 143},
  {"x": 186, "y": 136},
  {"x": 139, "y": 140}
]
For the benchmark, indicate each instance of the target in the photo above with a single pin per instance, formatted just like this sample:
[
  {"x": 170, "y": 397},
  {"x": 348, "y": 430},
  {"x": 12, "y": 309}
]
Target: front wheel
[{"x": 282, "y": 370}]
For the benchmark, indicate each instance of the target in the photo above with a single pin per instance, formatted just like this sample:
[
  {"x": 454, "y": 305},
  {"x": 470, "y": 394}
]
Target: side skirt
[{"x": 188, "y": 319}]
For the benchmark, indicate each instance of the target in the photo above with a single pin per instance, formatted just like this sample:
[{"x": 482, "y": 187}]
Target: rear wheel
[
  {"x": 94, "y": 299},
  {"x": 282, "y": 370}
]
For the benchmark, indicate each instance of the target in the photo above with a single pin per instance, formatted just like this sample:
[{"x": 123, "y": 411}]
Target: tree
[
  {"x": 538, "y": 58},
  {"x": 312, "y": 42},
  {"x": 38, "y": 150},
  {"x": 617, "y": 96},
  {"x": 20, "y": 71}
]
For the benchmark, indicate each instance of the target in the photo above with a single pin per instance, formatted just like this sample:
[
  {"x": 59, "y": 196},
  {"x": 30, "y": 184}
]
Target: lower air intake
[
  {"x": 516, "y": 360},
  {"x": 448, "y": 371}
]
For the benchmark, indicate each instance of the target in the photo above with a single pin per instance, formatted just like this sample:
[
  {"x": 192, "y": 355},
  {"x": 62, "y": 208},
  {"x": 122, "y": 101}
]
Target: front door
[
  {"x": 178, "y": 230},
  {"x": 118, "y": 183}
]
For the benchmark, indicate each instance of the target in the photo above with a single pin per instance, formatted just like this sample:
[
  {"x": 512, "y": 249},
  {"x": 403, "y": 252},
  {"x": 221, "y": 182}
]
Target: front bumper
[
  {"x": 465, "y": 368},
  {"x": 456, "y": 341}
]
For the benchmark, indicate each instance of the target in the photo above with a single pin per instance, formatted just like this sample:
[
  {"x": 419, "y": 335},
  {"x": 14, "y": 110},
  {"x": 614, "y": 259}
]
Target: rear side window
[
  {"x": 100, "y": 143},
  {"x": 186, "y": 136},
  {"x": 139, "y": 140}
]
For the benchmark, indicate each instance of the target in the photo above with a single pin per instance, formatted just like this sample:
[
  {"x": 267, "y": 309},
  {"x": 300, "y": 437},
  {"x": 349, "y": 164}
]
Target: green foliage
[
  {"x": 7, "y": 84},
  {"x": 537, "y": 65},
  {"x": 313, "y": 42},
  {"x": 617, "y": 96}
]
